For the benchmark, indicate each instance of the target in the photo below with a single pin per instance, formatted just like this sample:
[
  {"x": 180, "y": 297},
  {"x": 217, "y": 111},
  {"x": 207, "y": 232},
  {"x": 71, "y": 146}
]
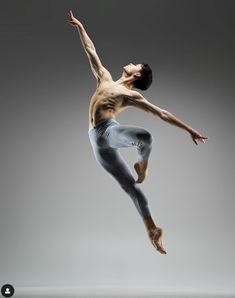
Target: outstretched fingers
[
  {"x": 202, "y": 139},
  {"x": 197, "y": 137},
  {"x": 71, "y": 19},
  {"x": 70, "y": 15}
]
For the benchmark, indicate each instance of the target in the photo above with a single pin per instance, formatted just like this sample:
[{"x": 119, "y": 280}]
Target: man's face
[{"x": 131, "y": 68}]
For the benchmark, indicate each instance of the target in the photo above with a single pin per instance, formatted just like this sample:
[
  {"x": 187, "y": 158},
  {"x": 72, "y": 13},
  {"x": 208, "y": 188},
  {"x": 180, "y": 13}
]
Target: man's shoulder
[
  {"x": 134, "y": 94},
  {"x": 105, "y": 75},
  {"x": 104, "y": 84}
]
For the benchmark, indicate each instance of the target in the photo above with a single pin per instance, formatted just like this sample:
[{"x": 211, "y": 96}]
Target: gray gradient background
[{"x": 64, "y": 222}]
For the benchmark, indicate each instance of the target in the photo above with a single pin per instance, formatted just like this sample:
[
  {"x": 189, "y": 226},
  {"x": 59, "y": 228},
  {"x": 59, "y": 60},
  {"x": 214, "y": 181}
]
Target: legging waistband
[{"x": 104, "y": 122}]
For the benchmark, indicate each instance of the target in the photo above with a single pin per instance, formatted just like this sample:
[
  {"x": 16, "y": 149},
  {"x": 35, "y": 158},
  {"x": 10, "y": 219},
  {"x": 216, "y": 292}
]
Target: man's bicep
[
  {"x": 94, "y": 60},
  {"x": 98, "y": 69},
  {"x": 142, "y": 103}
]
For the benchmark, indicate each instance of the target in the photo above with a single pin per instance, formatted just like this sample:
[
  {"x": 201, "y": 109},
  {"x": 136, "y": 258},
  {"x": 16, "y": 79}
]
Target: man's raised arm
[
  {"x": 137, "y": 100},
  {"x": 97, "y": 68}
]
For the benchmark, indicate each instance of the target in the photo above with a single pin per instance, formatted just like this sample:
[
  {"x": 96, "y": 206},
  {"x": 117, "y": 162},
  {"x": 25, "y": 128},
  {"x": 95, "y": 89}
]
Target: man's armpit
[{"x": 134, "y": 100}]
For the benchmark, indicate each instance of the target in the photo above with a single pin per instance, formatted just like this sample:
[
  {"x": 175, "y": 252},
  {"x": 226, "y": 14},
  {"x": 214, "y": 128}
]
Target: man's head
[{"x": 141, "y": 73}]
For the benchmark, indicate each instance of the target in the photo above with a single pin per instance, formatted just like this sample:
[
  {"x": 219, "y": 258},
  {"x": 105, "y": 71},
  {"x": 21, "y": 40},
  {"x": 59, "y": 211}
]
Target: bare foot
[
  {"x": 155, "y": 236},
  {"x": 141, "y": 170}
]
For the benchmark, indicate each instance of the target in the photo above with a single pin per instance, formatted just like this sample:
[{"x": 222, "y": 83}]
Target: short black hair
[{"x": 145, "y": 80}]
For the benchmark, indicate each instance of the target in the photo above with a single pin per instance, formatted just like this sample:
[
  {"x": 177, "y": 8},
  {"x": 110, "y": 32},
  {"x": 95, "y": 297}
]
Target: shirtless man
[{"x": 107, "y": 135}]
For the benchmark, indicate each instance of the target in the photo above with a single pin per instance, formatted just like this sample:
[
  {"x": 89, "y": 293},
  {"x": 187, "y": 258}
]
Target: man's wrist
[
  {"x": 190, "y": 129},
  {"x": 78, "y": 24}
]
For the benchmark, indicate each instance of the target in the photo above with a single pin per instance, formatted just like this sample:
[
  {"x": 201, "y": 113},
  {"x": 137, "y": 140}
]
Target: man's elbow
[{"x": 164, "y": 115}]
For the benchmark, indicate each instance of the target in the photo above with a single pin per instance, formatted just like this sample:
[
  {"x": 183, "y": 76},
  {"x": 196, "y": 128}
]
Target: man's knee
[{"x": 145, "y": 137}]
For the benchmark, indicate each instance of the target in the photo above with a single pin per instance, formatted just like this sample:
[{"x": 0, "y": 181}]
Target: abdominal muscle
[
  {"x": 105, "y": 105},
  {"x": 103, "y": 115}
]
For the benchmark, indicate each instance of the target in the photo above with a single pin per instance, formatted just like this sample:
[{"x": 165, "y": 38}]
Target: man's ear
[{"x": 137, "y": 75}]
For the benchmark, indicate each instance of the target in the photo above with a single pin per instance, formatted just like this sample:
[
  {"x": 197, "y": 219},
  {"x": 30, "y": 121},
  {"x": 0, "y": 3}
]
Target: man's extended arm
[
  {"x": 97, "y": 68},
  {"x": 140, "y": 102}
]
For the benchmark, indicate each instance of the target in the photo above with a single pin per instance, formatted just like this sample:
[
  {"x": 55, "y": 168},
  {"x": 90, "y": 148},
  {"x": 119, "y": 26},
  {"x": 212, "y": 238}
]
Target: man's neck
[{"x": 126, "y": 81}]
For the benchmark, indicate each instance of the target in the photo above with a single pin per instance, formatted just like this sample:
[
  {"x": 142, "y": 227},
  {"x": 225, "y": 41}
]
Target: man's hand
[
  {"x": 197, "y": 137},
  {"x": 72, "y": 20}
]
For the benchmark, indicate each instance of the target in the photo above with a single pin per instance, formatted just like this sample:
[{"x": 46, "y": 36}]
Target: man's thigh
[
  {"x": 120, "y": 136},
  {"x": 114, "y": 163}
]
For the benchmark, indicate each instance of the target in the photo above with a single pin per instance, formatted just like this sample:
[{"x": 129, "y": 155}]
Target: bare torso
[{"x": 107, "y": 102}]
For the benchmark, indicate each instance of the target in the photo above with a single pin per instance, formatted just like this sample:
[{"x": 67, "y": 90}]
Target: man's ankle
[
  {"x": 149, "y": 223},
  {"x": 144, "y": 162}
]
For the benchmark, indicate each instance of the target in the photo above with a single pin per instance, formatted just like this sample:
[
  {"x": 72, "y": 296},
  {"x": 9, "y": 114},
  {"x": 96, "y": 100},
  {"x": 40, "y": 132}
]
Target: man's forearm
[
  {"x": 85, "y": 39},
  {"x": 163, "y": 114},
  {"x": 169, "y": 117}
]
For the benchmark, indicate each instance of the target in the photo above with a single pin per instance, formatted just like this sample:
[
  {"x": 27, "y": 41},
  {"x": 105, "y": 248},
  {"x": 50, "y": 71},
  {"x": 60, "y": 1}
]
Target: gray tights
[{"x": 106, "y": 137}]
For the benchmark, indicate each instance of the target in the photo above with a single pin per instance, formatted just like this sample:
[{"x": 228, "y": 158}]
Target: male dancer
[{"x": 107, "y": 135}]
